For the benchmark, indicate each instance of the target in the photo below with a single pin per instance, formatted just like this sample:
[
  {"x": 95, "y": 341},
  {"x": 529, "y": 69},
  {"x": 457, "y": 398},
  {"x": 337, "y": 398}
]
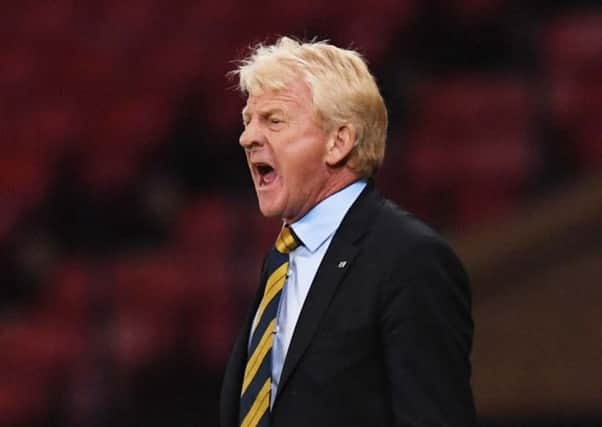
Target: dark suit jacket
[{"x": 384, "y": 336}]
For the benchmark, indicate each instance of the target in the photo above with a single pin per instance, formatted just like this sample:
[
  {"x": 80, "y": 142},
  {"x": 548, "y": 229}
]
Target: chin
[
  {"x": 269, "y": 210},
  {"x": 271, "y": 203}
]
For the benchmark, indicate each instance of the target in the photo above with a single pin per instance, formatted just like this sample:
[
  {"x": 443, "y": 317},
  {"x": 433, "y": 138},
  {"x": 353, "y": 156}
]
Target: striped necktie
[{"x": 257, "y": 382}]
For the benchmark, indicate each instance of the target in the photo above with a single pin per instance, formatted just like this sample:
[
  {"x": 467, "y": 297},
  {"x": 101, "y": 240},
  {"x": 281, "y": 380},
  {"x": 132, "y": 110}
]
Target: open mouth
[{"x": 266, "y": 173}]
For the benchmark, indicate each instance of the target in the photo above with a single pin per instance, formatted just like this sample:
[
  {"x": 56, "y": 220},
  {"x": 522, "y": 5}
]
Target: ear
[{"x": 340, "y": 144}]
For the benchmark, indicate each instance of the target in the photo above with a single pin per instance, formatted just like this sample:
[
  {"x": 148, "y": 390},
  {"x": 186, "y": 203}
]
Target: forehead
[{"x": 296, "y": 96}]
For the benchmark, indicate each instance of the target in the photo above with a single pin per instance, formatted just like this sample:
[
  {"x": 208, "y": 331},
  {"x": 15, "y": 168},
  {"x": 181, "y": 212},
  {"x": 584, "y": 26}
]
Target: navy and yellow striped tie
[{"x": 257, "y": 382}]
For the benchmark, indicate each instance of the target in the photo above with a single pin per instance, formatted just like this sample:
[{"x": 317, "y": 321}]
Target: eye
[{"x": 275, "y": 120}]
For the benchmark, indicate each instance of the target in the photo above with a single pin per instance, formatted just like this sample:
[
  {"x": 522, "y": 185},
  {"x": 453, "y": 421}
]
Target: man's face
[{"x": 285, "y": 148}]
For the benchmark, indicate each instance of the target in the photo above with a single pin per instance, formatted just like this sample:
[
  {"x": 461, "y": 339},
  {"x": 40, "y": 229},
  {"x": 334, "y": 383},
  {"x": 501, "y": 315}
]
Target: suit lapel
[
  {"x": 233, "y": 377},
  {"x": 337, "y": 260}
]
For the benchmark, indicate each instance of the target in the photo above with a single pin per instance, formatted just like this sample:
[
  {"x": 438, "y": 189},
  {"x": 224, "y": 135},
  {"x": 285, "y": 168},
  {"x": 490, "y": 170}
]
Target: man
[{"x": 362, "y": 317}]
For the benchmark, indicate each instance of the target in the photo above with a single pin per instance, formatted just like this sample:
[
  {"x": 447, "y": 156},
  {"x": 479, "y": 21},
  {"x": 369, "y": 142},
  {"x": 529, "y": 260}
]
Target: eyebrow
[{"x": 264, "y": 113}]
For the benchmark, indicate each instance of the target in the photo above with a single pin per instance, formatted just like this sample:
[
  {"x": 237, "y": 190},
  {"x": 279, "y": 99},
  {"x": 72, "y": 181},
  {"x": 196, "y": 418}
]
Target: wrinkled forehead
[{"x": 295, "y": 95}]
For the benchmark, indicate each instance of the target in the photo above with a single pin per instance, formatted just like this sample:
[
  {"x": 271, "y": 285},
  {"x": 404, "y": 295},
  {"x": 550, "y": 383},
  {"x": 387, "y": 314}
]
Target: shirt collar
[{"x": 320, "y": 223}]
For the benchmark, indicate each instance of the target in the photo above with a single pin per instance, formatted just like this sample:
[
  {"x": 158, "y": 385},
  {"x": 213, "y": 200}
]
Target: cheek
[
  {"x": 300, "y": 155},
  {"x": 300, "y": 168},
  {"x": 307, "y": 155}
]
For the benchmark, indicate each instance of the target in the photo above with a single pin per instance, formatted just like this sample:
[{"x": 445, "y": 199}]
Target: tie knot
[{"x": 286, "y": 241}]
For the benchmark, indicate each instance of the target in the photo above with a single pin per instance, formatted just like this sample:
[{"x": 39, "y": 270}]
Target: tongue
[{"x": 268, "y": 178}]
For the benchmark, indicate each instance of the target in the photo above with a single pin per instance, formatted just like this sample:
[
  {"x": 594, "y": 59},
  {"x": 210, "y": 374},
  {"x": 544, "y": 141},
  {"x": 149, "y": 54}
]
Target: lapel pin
[{"x": 342, "y": 264}]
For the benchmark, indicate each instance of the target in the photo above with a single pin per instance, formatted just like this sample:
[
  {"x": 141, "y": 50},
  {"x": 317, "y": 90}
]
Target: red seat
[
  {"x": 137, "y": 339},
  {"x": 23, "y": 176},
  {"x": 105, "y": 170},
  {"x": 208, "y": 226},
  {"x": 588, "y": 146},
  {"x": 215, "y": 324},
  {"x": 21, "y": 402},
  {"x": 50, "y": 18},
  {"x": 47, "y": 127},
  {"x": 174, "y": 64},
  {"x": 127, "y": 22},
  {"x": 72, "y": 293},
  {"x": 39, "y": 349},
  {"x": 471, "y": 135},
  {"x": 151, "y": 294},
  {"x": 125, "y": 130},
  {"x": 155, "y": 283},
  {"x": 476, "y": 10},
  {"x": 139, "y": 120},
  {"x": 572, "y": 48},
  {"x": 18, "y": 64},
  {"x": 373, "y": 26}
]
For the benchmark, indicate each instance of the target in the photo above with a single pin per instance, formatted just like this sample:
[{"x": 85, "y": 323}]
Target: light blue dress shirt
[{"x": 315, "y": 229}]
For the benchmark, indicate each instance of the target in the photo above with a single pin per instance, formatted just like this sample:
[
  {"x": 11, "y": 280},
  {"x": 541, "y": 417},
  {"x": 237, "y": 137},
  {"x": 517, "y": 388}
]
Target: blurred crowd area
[{"x": 130, "y": 241}]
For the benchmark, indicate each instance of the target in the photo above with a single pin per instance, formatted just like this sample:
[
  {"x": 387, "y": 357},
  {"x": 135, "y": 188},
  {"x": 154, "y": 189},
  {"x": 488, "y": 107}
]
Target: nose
[{"x": 251, "y": 137}]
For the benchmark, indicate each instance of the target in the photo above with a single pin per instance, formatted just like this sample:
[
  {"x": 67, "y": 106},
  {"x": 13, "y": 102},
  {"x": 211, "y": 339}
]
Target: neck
[{"x": 340, "y": 179}]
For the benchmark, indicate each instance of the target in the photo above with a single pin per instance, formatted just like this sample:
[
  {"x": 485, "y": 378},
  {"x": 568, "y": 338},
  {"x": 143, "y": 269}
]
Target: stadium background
[{"x": 129, "y": 235}]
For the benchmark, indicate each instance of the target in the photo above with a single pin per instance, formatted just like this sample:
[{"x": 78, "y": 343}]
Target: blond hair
[{"x": 342, "y": 88}]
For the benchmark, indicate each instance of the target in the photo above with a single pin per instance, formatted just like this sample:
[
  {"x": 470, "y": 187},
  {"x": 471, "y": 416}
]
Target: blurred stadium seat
[
  {"x": 572, "y": 52},
  {"x": 470, "y": 151}
]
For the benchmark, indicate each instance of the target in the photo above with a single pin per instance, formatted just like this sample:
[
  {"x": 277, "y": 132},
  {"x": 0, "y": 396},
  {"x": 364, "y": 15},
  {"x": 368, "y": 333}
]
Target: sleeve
[{"x": 427, "y": 331}]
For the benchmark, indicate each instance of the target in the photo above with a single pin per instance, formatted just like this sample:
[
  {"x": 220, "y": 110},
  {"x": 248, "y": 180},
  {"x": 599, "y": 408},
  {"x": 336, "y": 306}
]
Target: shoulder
[
  {"x": 388, "y": 235},
  {"x": 401, "y": 229},
  {"x": 405, "y": 245}
]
